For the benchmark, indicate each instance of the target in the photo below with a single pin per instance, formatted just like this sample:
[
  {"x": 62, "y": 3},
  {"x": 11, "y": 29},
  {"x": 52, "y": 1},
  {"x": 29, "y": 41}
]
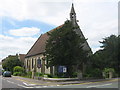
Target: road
[
  {"x": 11, "y": 82},
  {"x": 0, "y": 82},
  {"x": 111, "y": 84},
  {"x": 8, "y": 82}
]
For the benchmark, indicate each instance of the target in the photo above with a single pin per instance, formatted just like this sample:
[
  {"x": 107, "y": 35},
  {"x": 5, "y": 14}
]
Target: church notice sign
[{"x": 62, "y": 69}]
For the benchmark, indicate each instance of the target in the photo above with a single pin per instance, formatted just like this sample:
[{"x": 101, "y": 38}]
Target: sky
[{"x": 23, "y": 21}]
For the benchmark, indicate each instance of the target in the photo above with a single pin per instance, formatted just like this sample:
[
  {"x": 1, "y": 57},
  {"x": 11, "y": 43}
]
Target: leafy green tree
[
  {"x": 18, "y": 69},
  {"x": 65, "y": 47},
  {"x": 10, "y": 62},
  {"x": 107, "y": 72},
  {"x": 110, "y": 49},
  {"x": 119, "y": 55},
  {"x": 109, "y": 55},
  {"x": 99, "y": 60}
]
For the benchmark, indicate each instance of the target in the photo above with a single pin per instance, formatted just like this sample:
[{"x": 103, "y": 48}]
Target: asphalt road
[
  {"x": 113, "y": 84},
  {"x": 0, "y": 82},
  {"x": 10, "y": 82}
]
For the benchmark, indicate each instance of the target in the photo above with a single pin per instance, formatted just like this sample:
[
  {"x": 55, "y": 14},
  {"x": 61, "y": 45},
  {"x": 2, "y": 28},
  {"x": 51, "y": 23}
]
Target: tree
[
  {"x": 110, "y": 48},
  {"x": 119, "y": 54},
  {"x": 18, "y": 69},
  {"x": 99, "y": 60},
  {"x": 108, "y": 56},
  {"x": 10, "y": 62},
  {"x": 65, "y": 47}
]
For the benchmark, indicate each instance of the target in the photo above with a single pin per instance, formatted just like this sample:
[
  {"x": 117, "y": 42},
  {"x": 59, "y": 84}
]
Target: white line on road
[
  {"x": 41, "y": 86},
  {"x": 22, "y": 86},
  {"x": 28, "y": 84},
  {"x": 17, "y": 84},
  {"x": 10, "y": 81},
  {"x": 3, "y": 79},
  {"x": 99, "y": 85}
]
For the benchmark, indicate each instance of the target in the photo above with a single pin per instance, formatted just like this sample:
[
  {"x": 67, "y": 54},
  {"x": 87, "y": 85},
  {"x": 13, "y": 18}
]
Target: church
[{"x": 35, "y": 59}]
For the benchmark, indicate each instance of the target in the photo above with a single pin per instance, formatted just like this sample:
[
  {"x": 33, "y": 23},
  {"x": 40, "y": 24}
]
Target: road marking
[
  {"x": 17, "y": 84},
  {"x": 3, "y": 79},
  {"x": 28, "y": 84},
  {"x": 22, "y": 86},
  {"x": 93, "y": 82},
  {"x": 99, "y": 85},
  {"x": 6, "y": 79},
  {"x": 10, "y": 82},
  {"x": 40, "y": 86},
  {"x": 68, "y": 84}
]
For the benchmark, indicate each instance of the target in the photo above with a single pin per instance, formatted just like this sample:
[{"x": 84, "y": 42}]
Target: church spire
[
  {"x": 72, "y": 9},
  {"x": 73, "y": 15}
]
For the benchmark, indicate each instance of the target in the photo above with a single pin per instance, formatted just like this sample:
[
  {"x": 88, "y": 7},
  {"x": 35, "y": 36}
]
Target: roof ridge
[
  {"x": 27, "y": 55},
  {"x": 33, "y": 45}
]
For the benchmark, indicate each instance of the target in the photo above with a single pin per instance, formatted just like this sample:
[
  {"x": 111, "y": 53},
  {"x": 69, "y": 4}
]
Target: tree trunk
[
  {"x": 80, "y": 74},
  {"x": 80, "y": 71},
  {"x": 69, "y": 71}
]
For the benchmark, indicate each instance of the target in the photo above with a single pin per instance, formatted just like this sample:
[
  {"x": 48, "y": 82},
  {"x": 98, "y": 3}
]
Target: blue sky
[
  {"x": 10, "y": 23},
  {"x": 23, "y": 21}
]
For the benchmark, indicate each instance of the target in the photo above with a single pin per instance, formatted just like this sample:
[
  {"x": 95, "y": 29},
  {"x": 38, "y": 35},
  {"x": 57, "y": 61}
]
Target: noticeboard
[{"x": 62, "y": 69}]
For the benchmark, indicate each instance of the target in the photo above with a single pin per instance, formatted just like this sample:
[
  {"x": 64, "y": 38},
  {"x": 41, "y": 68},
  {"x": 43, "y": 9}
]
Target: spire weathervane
[{"x": 73, "y": 15}]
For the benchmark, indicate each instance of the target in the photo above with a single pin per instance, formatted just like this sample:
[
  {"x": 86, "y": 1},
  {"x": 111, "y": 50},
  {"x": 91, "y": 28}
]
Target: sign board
[
  {"x": 62, "y": 69},
  {"x": 39, "y": 63}
]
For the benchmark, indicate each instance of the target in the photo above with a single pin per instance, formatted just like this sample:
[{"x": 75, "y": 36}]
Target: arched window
[
  {"x": 27, "y": 63},
  {"x": 32, "y": 63},
  {"x": 39, "y": 63}
]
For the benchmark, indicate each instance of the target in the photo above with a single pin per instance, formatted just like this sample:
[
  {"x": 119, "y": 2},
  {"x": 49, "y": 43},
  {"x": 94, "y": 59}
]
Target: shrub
[
  {"x": 38, "y": 74},
  {"x": 93, "y": 72},
  {"x": 49, "y": 75},
  {"x": 107, "y": 70},
  {"x": 29, "y": 74},
  {"x": 18, "y": 69},
  {"x": 17, "y": 73},
  {"x": 74, "y": 74}
]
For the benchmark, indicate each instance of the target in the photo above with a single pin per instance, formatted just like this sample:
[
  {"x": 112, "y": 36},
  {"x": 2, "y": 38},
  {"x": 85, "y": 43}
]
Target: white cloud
[
  {"x": 97, "y": 18},
  {"x": 52, "y": 11},
  {"x": 100, "y": 31},
  {"x": 11, "y": 46},
  {"x": 25, "y": 31}
]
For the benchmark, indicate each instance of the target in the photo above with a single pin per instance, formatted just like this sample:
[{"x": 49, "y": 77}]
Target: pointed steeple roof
[{"x": 72, "y": 9}]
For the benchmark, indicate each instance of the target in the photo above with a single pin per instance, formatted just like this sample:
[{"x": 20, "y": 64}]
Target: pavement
[
  {"x": 49, "y": 83},
  {"x": 0, "y": 82},
  {"x": 21, "y": 82}
]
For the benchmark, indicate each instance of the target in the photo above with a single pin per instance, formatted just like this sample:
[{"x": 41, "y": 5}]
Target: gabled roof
[{"x": 40, "y": 44}]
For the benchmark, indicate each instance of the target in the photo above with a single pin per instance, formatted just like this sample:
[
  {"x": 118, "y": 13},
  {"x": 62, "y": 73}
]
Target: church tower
[
  {"x": 78, "y": 30},
  {"x": 73, "y": 15}
]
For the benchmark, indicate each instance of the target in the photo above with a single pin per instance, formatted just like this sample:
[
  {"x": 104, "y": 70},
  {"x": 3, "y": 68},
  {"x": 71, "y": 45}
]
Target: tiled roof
[
  {"x": 22, "y": 57},
  {"x": 39, "y": 45}
]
